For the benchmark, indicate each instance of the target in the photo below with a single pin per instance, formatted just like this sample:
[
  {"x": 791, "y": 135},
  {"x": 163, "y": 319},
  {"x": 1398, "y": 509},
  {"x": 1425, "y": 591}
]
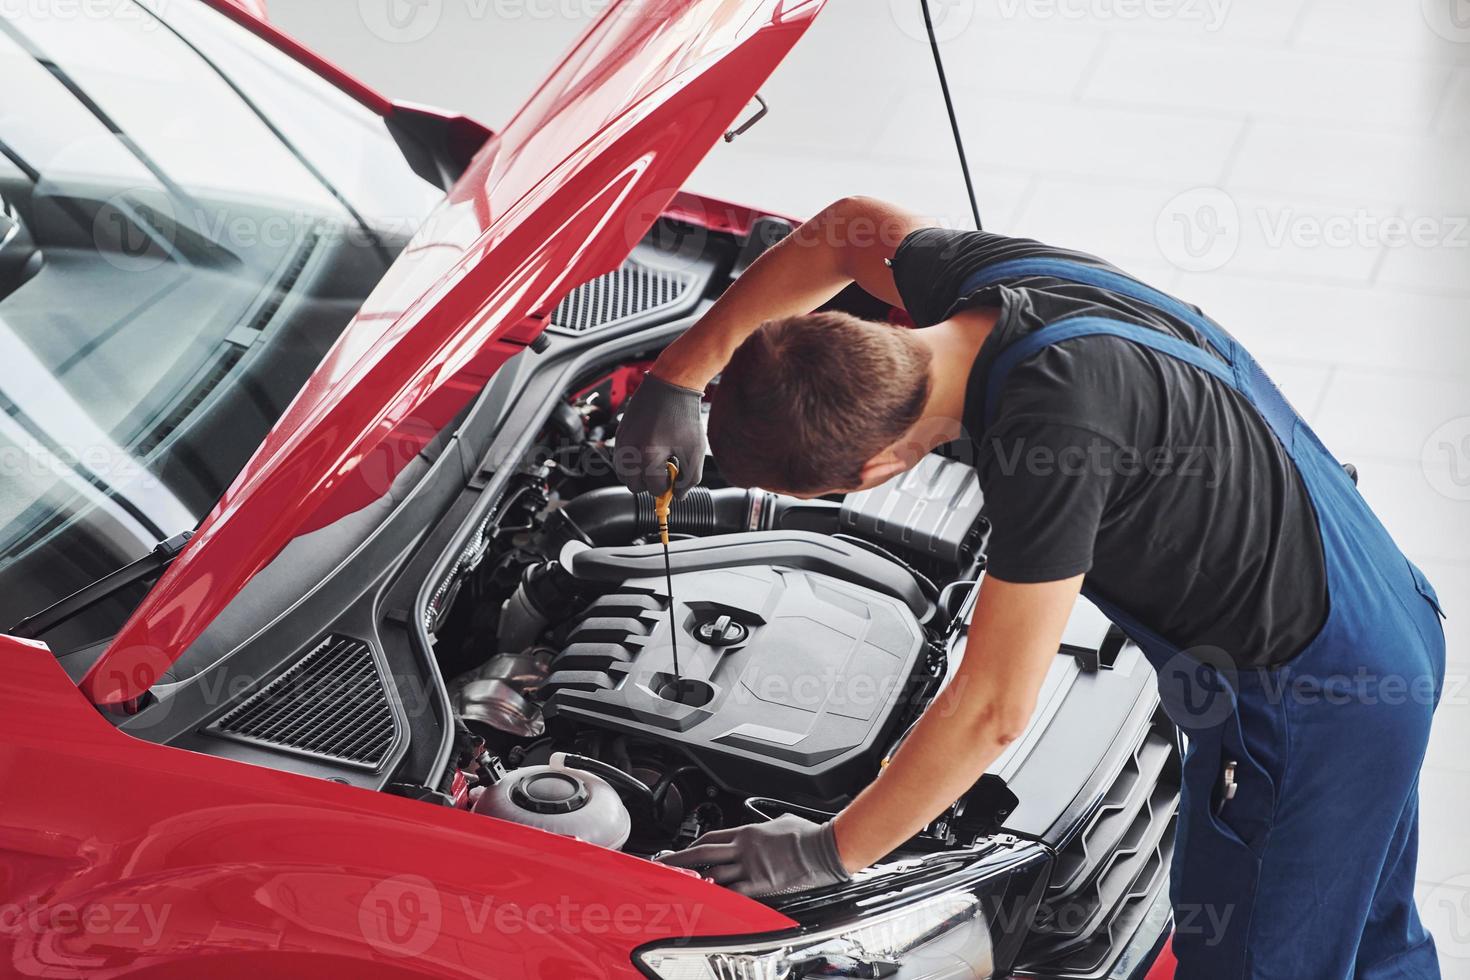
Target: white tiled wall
[{"x": 1084, "y": 126}]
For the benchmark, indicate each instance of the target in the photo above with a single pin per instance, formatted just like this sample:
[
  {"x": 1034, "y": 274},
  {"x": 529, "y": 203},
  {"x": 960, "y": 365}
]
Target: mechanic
[{"x": 1130, "y": 449}]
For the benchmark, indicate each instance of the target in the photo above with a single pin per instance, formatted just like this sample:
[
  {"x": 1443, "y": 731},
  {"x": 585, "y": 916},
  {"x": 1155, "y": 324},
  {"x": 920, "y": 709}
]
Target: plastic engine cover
[
  {"x": 791, "y": 676},
  {"x": 931, "y": 512}
]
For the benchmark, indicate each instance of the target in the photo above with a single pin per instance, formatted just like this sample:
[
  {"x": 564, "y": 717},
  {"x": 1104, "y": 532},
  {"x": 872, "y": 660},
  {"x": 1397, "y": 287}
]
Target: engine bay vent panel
[
  {"x": 332, "y": 704},
  {"x": 636, "y": 289},
  {"x": 1107, "y": 875}
]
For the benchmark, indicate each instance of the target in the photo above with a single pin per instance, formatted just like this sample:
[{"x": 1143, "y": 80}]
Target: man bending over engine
[{"x": 1069, "y": 381}]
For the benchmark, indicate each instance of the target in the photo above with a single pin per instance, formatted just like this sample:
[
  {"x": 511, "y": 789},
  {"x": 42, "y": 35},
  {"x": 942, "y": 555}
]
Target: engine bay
[{"x": 809, "y": 635}]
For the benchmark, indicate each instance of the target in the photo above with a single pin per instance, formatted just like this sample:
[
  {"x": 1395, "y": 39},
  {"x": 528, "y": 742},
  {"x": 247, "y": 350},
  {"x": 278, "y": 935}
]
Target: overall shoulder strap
[
  {"x": 1115, "y": 282},
  {"x": 1086, "y": 326},
  {"x": 1238, "y": 369}
]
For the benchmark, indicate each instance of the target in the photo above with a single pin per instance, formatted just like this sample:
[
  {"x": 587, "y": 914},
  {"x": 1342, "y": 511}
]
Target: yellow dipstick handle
[
  {"x": 664, "y": 501},
  {"x": 661, "y": 505}
]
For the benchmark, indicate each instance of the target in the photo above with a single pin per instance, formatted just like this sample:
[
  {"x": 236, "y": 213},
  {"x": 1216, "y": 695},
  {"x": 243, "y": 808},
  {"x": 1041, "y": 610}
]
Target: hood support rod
[{"x": 954, "y": 123}]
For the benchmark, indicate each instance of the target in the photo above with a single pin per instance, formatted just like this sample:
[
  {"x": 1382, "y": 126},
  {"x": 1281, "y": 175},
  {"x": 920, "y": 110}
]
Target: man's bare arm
[
  {"x": 1013, "y": 639},
  {"x": 847, "y": 242}
]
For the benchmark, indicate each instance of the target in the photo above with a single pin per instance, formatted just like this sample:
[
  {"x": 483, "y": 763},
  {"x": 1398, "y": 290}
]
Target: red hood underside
[{"x": 560, "y": 196}]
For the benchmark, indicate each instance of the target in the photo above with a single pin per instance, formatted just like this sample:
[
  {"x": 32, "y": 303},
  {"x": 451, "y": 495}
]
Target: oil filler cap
[
  {"x": 721, "y": 632},
  {"x": 549, "y": 792}
]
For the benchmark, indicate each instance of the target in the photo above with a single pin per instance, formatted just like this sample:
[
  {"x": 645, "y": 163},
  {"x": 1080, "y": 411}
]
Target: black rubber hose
[{"x": 626, "y": 783}]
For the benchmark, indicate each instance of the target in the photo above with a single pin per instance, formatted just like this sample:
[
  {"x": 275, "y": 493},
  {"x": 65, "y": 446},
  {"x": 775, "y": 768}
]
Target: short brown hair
[{"x": 806, "y": 401}]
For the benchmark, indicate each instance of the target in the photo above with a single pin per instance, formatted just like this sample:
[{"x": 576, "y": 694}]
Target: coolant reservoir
[{"x": 564, "y": 801}]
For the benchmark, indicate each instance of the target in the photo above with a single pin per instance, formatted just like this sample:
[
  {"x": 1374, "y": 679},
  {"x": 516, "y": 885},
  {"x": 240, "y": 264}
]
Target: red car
[{"x": 334, "y": 647}]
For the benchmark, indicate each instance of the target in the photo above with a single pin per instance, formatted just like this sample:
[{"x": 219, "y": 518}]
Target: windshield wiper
[{"x": 108, "y": 585}]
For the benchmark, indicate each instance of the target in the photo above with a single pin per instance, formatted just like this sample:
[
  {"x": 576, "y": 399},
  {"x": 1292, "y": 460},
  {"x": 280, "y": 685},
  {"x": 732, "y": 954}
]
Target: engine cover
[{"x": 791, "y": 675}]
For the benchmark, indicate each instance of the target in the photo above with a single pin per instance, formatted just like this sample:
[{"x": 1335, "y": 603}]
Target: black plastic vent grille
[
  {"x": 634, "y": 290},
  {"x": 331, "y": 704},
  {"x": 1106, "y": 876}
]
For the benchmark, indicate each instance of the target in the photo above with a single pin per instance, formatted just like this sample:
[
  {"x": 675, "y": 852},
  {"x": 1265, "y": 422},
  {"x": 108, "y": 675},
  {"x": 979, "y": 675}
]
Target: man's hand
[
  {"x": 788, "y": 854},
  {"x": 661, "y": 420}
]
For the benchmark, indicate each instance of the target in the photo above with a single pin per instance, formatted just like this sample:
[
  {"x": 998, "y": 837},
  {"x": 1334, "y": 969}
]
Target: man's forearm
[
  {"x": 848, "y": 241},
  {"x": 939, "y": 762},
  {"x": 987, "y": 704},
  {"x": 794, "y": 276}
]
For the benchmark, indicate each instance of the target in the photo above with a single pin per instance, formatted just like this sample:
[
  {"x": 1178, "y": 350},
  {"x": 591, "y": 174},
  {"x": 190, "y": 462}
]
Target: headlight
[{"x": 934, "y": 939}]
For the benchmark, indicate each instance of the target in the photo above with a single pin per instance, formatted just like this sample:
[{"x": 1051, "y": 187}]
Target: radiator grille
[
  {"x": 1106, "y": 876},
  {"x": 634, "y": 290},
  {"x": 331, "y": 704}
]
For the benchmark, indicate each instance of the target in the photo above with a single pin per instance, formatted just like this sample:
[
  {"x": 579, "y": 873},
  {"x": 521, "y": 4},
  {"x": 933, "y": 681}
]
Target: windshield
[{"x": 188, "y": 219}]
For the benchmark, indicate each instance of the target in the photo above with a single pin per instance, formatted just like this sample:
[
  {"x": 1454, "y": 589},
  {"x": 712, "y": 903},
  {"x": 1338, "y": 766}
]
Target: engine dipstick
[{"x": 661, "y": 505}]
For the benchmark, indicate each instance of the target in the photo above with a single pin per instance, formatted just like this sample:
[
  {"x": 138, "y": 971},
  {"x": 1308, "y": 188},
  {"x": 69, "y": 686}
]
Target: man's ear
[{"x": 882, "y": 467}]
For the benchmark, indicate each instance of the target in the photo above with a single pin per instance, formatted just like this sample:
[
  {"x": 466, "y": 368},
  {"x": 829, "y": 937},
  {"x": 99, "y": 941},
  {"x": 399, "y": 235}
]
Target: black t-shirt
[{"x": 1104, "y": 457}]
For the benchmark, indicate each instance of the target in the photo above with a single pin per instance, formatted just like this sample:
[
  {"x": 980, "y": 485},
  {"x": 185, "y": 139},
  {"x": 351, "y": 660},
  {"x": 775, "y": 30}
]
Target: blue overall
[{"x": 1307, "y": 870}]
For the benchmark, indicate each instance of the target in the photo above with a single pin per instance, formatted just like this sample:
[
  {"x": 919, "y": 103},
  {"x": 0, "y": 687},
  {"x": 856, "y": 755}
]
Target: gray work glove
[
  {"x": 661, "y": 420},
  {"x": 788, "y": 854}
]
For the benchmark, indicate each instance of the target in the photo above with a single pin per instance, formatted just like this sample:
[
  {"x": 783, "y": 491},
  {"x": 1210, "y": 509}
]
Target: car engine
[
  {"x": 790, "y": 676},
  {"x": 800, "y": 641}
]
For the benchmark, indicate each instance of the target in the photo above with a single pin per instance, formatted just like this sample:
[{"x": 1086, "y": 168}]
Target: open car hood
[{"x": 561, "y": 195}]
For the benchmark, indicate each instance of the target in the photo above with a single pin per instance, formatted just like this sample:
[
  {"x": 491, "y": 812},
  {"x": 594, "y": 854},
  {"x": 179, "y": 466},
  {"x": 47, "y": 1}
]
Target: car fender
[{"x": 126, "y": 857}]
